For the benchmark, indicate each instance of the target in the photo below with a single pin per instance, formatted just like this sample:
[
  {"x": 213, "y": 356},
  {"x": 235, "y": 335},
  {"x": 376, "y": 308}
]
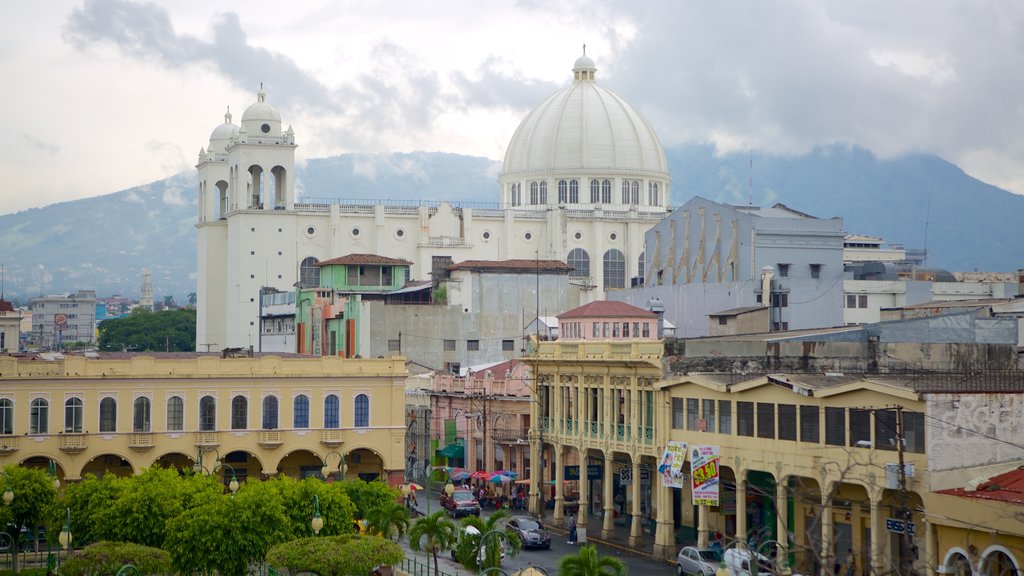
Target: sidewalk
[{"x": 618, "y": 539}]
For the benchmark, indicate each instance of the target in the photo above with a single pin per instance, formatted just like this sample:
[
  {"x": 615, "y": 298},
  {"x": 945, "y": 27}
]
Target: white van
[{"x": 738, "y": 563}]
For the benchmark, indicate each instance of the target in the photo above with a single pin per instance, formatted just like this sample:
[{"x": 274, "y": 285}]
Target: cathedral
[{"x": 584, "y": 177}]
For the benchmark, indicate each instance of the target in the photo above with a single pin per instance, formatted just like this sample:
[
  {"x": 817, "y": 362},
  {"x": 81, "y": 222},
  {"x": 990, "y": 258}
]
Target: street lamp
[
  {"x": 480, "y": 559},
  {"x": 65, "y": 534},
  {"x": 8, "y": 495},
  {"x": 449, "y": 489},
  {"x": 318, "y": 522},
  {"x": 233, "y": 484},
  {"x": 325, "y": 471},
  {"x": 51, "y": 471}
]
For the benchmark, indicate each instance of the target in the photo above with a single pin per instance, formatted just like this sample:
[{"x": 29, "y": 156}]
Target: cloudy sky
[{"x": 102, "y": 95}]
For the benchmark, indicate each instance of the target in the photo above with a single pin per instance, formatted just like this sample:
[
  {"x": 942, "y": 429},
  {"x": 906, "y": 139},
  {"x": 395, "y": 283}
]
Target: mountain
[{"x": 919, "y": 200}]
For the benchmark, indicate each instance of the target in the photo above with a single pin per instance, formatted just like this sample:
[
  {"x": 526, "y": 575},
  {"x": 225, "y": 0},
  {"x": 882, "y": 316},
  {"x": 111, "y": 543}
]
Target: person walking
[{"x": 572, "y": 529}]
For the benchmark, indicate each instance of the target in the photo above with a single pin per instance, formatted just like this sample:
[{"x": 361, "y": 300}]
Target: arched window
[
  {"x": 280, "y": 180},
  {"x": 580, "y": 261},
  {"x": 222, "y": 199},
  {"x": 606, "y": 191},
  {"x": 256, "y": 187},
  {"x": 108, "y": 415},
  {"x": 73, "y": 416},
  {"x": 517, "y": 196},
  {"x": 533, "y": 192},
  {"x": 543, "y": 192},
  {"x": 309, "y": 273},
  {"x": 652, "y": 194},
  {"x": 239, "y": 413},
  {"x": 636, "y": 192},
  {"x": 207, "y": 414},
  {"x": 574, "y": 192},
  {"x": 625, "y": 192},
  {"x": 362, "y": 411},
  {"x": 300, "y": 412},
  {"x": 563, "y": 191},
  {"x": 175, "y": 414},
  {"x": 141, "y": 415},
  {"x": 595, "y": 192},
  {"x": 332, "y": 411},
  {"x": 6, "y": 416},
  {"x": 640, "y": 265},
  {"x": 614, "y": 270},
  {"x": 39, "y": 417},
  {"x": 270, "y": 413}
]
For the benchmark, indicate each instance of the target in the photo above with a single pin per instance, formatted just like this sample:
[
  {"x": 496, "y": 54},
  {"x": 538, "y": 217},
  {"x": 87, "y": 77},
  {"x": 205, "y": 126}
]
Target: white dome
[
  {"x": 223, "y": 134},
  {"x": 585, "y": 129},
  {"x": 261, "y": 118}
]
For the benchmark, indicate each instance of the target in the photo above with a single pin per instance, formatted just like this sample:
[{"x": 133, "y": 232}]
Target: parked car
[
  {"x": 738, "y": 562},
  {"x": 460, "y": 503},
  {"x": 531, "y": 533},
  {"x": 697, "y": 562}
]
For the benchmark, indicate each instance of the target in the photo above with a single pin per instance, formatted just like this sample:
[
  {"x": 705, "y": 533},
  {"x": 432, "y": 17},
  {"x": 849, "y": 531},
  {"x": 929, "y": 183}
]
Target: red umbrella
[{"x": 480, "y": 475}]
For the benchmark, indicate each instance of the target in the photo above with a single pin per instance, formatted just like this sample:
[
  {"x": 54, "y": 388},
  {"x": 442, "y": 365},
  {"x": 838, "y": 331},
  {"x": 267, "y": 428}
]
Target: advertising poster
[
  {"x": 704, "y": 469},
  {"x": 671, "y": 466}
]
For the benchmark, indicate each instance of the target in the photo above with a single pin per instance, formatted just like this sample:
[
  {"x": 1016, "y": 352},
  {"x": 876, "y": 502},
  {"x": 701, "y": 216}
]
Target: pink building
[
  {"x": 482, "y": 419},
  {"x": 607, "y": 320}
]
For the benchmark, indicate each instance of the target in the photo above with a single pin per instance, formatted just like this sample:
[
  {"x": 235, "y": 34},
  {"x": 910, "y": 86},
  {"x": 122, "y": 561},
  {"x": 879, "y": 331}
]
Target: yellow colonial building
[{"x": 253, "y": 417}]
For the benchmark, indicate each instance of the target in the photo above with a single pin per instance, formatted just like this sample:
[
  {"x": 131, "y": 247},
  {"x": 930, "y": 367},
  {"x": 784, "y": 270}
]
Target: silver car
[{"x": 696, "y": 562}]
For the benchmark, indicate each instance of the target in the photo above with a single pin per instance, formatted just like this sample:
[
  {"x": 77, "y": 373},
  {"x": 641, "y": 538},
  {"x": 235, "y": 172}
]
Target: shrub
[
  {"x": 109, "y": 557},
  {"x": 344, "y": 555}
]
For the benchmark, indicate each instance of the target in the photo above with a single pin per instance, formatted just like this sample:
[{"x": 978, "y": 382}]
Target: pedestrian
[
  {"x": 851, "y": 563},
  {"x": 572, "y": 529}
]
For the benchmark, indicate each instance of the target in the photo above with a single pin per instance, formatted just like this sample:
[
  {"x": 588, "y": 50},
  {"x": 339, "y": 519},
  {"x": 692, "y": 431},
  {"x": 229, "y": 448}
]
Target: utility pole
[{"x": 905, "y": 516}]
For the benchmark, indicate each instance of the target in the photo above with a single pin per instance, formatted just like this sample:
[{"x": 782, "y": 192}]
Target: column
[
  {"x": 877, "y": 534},
  {"x": 559, "y": 516},
  {"x": 827, "y": 523},
  {"x": 581, "y": 516},
  {"x": 609, "y": 506},
  {"x": 535, "y": 463},
  {"x": 931, "y": 545},
  {"x": 781, "y": 521},
  {"x": 703, "y": 541},
  {"x": 635, "y": 529},
  {"x": 664, "y": 535},
  {"x": 741, "y": 508}
]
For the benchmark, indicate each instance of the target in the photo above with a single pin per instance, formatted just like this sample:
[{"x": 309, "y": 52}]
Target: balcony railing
[
  {"x": 141, "y": 441},
  {"x": 207, "y": 439},
  {"x": 331, "y": 437},
  {"x": 269, "y": 438},
  {"x": 510, "y": 435},
  {"x": 72, "y": 442}
]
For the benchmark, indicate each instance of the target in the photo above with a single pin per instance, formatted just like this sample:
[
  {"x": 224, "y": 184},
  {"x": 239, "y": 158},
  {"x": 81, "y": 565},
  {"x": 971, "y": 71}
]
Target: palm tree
[
  {"x": 509, "y": 539},
  {"x": 389, "y": 520},
  {"x": 439, "y": 531},
  {"x": 586, "y": 563}
]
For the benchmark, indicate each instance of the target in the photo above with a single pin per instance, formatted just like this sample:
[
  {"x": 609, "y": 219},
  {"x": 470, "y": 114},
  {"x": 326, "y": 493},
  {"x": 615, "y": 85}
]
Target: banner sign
[
  {"x": 671, "y": 466},
  {"x": 450, "y": 431},
  {"x": 704, "y": 469}
]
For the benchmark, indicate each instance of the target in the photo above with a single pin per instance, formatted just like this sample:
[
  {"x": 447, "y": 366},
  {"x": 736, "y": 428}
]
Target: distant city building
[
  {"x": 707, "y": 257},
  {"x": 62, "y": 320},
  {"x": 146, "y": 298},
  {"x": 584, "y": 177},
  {"x": 10, "y": 327}
]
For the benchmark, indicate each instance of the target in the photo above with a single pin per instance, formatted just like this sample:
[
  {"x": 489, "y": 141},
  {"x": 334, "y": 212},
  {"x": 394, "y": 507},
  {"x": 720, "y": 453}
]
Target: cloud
[
  {"x": 170, "y": 156},
  {"x": 173, "y": 196},
  {"x": 50, "y": 148}
]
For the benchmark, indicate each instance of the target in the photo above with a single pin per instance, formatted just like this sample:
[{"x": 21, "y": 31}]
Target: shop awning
[{"x": 453, "y": 451}]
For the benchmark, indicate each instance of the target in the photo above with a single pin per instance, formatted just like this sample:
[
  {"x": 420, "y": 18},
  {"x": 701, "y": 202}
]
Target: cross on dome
[
  {"x": 584, "y": 68},
  {"x": 227, "y": 116}
]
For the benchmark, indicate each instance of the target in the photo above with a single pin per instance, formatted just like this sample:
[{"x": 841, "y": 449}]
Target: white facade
[
  {"x": 253, "y": 233},
  {"x": 863, "y": 300}
]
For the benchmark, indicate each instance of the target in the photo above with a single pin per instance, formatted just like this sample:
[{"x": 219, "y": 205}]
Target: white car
[
  {"x": 697, "y": 562},
  {"x": 738, "y": 562}
]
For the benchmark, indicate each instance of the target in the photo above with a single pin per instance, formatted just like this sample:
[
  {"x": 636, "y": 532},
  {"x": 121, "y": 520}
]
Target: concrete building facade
[
  {"x": 63, "y": 319},
  {"x": 262, "y": 415}
]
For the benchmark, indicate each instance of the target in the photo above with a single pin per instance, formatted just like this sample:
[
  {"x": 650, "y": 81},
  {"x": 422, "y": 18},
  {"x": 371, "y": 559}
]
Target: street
[{"x": 545, "y": 559}]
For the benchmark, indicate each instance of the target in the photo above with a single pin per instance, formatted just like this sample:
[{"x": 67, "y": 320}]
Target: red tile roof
[
  {"x": 520, "y": 266},
  {"x": 607, "y": 309},
  {"x": 360, "y": 259},
  {"x": 1007, "y": 487},
  {"x": 6, "y": 306}
]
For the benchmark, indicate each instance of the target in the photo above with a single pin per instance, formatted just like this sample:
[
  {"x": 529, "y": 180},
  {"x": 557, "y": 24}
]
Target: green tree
[
  {"x": 109, "y": 557},
  {"x": 369, "y": 495},
  {"x": 91, "y": 502},
  {"x": 33, "y": 494},
  {"x": 467, "y": 554},
  {"x": 348, "y": 554},
  {"x": 587, "y": 563},
  {"x": 227, "y": 534},
  {"x": 439, "y": 532},
  {"x": 388, "y": 521},
  {"x": 336, "y": 509},
  {"x": 148, "y": 501},
  {"x": 172, "y": 330}
]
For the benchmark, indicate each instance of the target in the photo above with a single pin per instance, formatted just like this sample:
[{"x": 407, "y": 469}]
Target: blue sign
[
  {"x": 594, "y": 472},
  {"x": 897, "y": 526}
]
